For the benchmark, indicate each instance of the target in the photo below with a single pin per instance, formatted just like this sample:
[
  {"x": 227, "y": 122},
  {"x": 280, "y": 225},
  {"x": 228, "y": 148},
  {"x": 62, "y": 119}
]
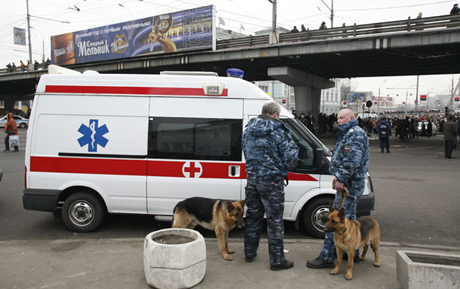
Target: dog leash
[{"x": 342, "y": 196}]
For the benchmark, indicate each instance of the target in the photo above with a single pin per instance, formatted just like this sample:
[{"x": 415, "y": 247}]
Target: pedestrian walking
[
  {"x": 349, "y": 164},
  {"x": 450, "y": 129},
  {"x": 270, "y": 152},
  {"x": 311, "y": 123},
  {"x": 10, "y": 129}
]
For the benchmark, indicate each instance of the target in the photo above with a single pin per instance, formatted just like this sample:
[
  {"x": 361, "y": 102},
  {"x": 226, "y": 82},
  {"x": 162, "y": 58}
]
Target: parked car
[
  {"x": 20, "y": 121},
  {"x": 419, "y": 128},
  {"x": 367, "y": 115}
]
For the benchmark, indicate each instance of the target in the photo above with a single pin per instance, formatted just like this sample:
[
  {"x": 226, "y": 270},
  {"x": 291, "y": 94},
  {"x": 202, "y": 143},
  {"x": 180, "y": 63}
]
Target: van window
[
  {"x": 306, "y": 152},
  {"x": 195, "y": 138}
]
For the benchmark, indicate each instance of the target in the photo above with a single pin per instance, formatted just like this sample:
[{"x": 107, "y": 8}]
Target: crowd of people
[
  {"x": 11, "y": 67},
  {"x": 407, "y": 127},
  {"x": 454, "y": 11},
  {"x": 401, "y": 126},
  {"x": 326, "y": 123}
]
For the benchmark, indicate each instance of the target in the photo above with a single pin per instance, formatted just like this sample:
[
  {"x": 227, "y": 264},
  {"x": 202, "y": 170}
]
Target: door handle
[{"x": 234, "y": 171}]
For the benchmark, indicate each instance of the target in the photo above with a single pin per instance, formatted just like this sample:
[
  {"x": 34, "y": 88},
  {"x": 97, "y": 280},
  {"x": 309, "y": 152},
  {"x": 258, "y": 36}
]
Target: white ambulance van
[{"x": 139, "y": 144}]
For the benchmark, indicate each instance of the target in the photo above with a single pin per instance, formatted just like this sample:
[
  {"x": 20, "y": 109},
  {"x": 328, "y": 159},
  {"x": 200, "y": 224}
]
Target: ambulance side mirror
[{"x": 318, "y": 161}]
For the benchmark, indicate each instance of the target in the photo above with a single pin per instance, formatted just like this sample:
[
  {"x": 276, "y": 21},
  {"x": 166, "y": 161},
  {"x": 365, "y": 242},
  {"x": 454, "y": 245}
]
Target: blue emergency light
[{"x": 235, "y": 72}]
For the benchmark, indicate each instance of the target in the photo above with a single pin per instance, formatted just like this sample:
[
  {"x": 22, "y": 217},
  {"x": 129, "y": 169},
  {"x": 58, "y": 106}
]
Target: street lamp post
[
  {"x": 28, "y": 32},
  {"x": 406, "y": 101},
  {"x": 416, "y": 98},
  {"x": 43, "y": 41},
  {"x": 273, "y": 38},
  {"x": 378, "y": 100},
  {"x": 332, "y": 11}
]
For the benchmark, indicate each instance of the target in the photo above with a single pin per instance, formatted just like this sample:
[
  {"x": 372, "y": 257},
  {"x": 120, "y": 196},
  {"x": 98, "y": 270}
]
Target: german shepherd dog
[
  {"x": 217, "y": 215},
  {"x": 351, "y": 235}
]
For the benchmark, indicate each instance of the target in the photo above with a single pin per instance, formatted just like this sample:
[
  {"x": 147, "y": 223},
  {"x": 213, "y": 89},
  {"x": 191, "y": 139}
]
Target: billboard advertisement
[
  {"x": 383, "y": 101},
  {"x": 167, "y": 33},
  {"x": 19, "y": 36},
  {"x": 356, "y": 97}
]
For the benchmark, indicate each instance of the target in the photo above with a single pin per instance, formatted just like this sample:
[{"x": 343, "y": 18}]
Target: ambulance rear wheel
[
  {"x": 313, "y": 216},
  {"x": 83, "y": 212}
]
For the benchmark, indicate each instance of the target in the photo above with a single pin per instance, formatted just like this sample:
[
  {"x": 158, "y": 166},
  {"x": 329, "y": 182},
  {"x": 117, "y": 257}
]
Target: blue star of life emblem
[{"x": 93, "y": 135}]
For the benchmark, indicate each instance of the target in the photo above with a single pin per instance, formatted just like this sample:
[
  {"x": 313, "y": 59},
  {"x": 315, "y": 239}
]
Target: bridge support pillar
[
  {"x": 9, "y": 104},
  {"x": 307, "y": 87}
]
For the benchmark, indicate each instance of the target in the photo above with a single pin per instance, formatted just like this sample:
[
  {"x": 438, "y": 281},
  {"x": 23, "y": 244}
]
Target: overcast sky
[{"x": 53, "y": 17}]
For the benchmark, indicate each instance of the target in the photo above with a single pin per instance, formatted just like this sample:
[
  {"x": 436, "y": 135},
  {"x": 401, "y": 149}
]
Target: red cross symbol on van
[{"x": 192, "y": 170}]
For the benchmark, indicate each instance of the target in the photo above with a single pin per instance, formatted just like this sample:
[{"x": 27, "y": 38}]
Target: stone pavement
[{"x": 118, "y": 263}]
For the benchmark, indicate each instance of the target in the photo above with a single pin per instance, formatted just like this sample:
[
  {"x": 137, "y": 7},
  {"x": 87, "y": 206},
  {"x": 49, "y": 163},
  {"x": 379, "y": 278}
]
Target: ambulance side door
[{"x": 194, "y": 150}]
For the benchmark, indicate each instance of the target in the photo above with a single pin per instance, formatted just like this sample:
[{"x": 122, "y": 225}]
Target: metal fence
[{"x": 408, "y": 25}]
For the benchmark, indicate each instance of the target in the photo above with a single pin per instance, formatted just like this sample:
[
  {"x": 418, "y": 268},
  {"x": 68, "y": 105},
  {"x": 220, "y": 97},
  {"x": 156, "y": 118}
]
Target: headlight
[{"x": 368, "y": 185}]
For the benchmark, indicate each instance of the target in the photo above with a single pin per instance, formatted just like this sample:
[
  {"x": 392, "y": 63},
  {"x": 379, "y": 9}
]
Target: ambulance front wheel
[
  {"x": 83, "y": 212},
  {"x": 314, "y": 216}
]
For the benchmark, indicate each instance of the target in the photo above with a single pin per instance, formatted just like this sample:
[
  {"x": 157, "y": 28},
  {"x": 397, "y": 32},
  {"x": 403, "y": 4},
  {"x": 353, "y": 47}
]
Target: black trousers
[
  {"x": 449, "y": 146},
  {"x": 7, "y": 142},
  {"x": 384, "y": 142}
]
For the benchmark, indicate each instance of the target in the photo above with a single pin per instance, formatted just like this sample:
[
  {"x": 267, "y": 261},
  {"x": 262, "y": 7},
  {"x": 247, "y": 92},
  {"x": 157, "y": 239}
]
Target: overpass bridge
[{"x": 305, "y": 60}]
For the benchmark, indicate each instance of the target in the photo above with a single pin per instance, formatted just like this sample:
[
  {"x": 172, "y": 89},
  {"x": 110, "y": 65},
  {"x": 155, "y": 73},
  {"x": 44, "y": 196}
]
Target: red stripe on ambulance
[
  {"x": 88, "y": 166},
  {"x": 172, "y": 169},
  {"x": 301, "y": 177},
  {"x": 181, "y": 91}
]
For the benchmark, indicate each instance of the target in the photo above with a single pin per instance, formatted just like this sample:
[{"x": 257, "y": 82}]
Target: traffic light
[{"x": 446, "y": 110}]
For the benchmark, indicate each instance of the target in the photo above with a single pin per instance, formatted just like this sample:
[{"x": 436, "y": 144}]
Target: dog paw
[
  {"x": 228, "y": 258},
  {"x": 230, "y": 251},
  {"x": 377, "y": 265},
  {"x": 334, "y": 272},
  {"x": 348, "y": 277}
]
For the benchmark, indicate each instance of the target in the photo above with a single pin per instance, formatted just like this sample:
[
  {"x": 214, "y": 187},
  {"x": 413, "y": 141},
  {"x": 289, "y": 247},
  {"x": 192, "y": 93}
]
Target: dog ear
[
  {"x": 230, "y": 207},
  {"x": 243, "y": 202},
  {"x": 342, "y": 214},
  {"x": 331, "y": 208}
]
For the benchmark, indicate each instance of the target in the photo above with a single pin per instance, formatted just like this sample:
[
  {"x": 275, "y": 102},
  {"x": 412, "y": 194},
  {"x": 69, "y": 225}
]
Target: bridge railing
[
  {"x": 243, "y": 41},
  {"x": 347, "y": 31},
  {"x": 19, "y": 69}
]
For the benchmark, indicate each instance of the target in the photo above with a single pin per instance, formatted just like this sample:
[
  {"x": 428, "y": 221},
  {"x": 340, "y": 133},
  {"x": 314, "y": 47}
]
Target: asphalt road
[{"x": 417, "y": 200}]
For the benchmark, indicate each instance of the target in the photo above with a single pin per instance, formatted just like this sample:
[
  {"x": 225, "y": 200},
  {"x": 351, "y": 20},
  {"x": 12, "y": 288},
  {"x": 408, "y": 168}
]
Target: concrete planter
[
  {"x": 174, "y": 258},
  {"x": 419, "y": 270}
]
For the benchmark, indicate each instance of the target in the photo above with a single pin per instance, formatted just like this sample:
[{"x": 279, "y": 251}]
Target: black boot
[
  {"x": 319, "y": 263},
  {"x": 388, "y": 151},
  {"x": 286, "y": 265},
  {"x": 381, "y": 150}
]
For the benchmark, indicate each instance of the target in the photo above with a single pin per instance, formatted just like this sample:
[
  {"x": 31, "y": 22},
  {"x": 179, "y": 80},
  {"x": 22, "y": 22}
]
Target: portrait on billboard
[{"x": 19, "y": 36}]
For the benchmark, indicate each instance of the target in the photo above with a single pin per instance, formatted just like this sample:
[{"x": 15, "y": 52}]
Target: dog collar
[{"x": 343, "y": 232}]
